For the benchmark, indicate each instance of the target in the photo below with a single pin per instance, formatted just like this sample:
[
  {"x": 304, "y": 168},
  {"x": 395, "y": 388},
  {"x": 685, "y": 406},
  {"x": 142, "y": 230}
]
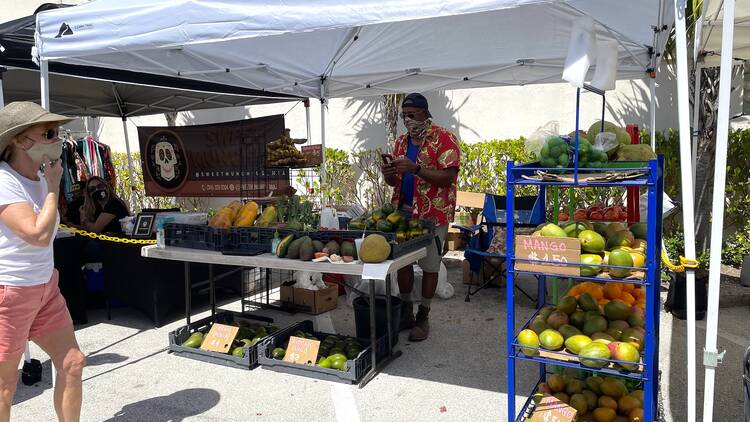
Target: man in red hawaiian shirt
[{"x": 424, "y": 170}]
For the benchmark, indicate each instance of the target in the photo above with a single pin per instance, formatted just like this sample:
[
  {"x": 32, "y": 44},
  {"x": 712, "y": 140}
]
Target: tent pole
[
  {"x": 688, "y": 210},
  {"x": 652, "y": 89},
  {"x": 711, "y": 357},
  {"x": 323, "y": 103},
  {"x": 44, "y": 83},
  {"x": 696, "y": 115},
  {"x": 307, "y": 120},
  {"x": 130, "y": 159}
]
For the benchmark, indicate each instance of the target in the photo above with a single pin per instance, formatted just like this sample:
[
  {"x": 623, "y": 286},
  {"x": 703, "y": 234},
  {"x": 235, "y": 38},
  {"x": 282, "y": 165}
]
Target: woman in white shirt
[{"x": 31, "y": 306}]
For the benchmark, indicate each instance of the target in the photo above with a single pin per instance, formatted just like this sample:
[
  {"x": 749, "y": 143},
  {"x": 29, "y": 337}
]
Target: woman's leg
[
  {"x": 8, "y": 383},
  {"x": 69, "y": 361}
]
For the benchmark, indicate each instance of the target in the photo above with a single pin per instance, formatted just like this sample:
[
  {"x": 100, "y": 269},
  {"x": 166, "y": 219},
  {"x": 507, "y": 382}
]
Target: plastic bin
[
  {"x": 356, "y": 368},
  {"x": 249, "y": 361},
  {"x": 195, "y": 236},
  {"x": 252, "y": 240},
  {"x": 362, "y": 318}
]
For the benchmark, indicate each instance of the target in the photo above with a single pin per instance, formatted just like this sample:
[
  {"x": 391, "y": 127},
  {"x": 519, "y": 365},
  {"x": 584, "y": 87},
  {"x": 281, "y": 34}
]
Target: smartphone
[{"x": 387, "y": 158}]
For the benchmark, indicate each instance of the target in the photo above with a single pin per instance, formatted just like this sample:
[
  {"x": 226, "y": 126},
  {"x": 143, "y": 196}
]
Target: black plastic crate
[
  {"x": 356, "y": 368},
  {"x": 397, "y": 249},
  {"x": 195, "y": 236},
  {"x": 248, "y": 361},
  {"x": 251, "y": 239}
]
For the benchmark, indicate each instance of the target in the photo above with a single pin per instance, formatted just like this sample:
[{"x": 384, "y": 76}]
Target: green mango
[{"x": 194, "y": 341}]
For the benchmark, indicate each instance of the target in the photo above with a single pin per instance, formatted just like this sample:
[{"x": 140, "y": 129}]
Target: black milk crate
[
  {"x": 356, "y": 368},
  {"x": 249, "y": 361},
  {"x": 250, "y": 239},
  {"x": 195, "y": 236},
  {"x": 397, "y": 250}
]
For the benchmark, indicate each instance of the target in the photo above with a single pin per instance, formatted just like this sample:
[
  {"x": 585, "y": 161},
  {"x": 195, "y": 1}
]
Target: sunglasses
[
  {"x": 49, "y": 134},
  {"x": 410, "y": 115}
]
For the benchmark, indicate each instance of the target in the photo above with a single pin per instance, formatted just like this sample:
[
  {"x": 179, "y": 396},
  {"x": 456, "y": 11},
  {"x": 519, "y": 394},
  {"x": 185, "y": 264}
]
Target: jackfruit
[{"x": 375, "y": 249}]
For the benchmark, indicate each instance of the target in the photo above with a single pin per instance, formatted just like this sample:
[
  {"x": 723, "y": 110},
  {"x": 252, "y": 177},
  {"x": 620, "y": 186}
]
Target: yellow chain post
[
  {"x": 107, "y": 238},
  {"x": 684, "y": 263}
]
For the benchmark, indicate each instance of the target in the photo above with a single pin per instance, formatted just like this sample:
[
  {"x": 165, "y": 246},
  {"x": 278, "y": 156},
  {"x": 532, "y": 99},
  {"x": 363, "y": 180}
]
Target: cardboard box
[
  {"x": 310, "y": 301},
  {"x": 454, "y": 241}
]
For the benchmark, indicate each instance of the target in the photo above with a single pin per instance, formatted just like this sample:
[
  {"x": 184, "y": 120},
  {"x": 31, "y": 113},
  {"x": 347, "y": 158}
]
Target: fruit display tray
[
  {"x": 249, "y": 361},
  {"x": 356, "y": 368},
  {"x": 195, "y": 236},
  {"x": 397, "y": 249},
  {"x": 567, "y": 359}
]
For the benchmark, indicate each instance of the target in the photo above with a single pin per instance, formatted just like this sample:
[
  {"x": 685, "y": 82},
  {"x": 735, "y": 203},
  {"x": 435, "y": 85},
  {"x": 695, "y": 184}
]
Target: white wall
[{"x": 474, "y": 115}]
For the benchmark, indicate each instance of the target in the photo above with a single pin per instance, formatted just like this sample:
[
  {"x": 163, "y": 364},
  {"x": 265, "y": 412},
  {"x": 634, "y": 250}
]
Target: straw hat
[{"x": 18, "y": 116}]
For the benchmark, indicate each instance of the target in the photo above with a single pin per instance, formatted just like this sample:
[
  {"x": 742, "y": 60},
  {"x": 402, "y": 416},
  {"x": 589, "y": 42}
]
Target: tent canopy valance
[
  {"x": 334, "y": 48},
  {"x": 92, "y": 91}
]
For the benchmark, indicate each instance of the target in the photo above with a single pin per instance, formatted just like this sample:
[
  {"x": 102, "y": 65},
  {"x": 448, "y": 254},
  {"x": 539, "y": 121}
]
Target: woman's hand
[{"x": 52, "y": 173}]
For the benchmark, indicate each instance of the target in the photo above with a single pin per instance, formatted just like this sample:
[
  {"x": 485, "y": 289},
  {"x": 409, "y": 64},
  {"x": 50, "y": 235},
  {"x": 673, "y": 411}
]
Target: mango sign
[
  {"x": 550, "y": 409},
  {"x": 555, "y": 250}
]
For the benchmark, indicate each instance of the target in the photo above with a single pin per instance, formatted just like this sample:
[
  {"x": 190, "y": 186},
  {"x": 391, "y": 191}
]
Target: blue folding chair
[{"x": 529, "y": 212}]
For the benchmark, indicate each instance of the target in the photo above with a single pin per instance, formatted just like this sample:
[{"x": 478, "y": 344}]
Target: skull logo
[{"x": 166, "y": 160}]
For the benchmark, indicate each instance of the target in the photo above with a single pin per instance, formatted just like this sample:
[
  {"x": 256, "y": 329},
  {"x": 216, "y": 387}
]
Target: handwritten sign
[
  {"x": 555, "y": 250},
  {"x": 313, "y": 154},
  {"x": 550, "y": 409},
  {"x": 302, "y": 350},
  {"x": 220, "y": 338}
]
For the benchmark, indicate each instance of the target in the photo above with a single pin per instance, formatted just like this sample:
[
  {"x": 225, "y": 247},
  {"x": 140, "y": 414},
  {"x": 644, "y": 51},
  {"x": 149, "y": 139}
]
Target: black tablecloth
[{"x": 68, "y": 261}]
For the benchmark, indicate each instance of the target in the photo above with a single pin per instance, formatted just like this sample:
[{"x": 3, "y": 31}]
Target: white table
[{"x": 269, "y": 261}]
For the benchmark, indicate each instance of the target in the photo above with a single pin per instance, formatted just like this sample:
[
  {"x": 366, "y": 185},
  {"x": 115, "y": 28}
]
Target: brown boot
[
  {"x": 407, "y": 316},
  {"x": 422, "y": 326}
]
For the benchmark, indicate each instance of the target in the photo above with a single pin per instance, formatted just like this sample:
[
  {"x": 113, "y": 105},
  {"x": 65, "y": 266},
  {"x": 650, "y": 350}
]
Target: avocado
[
  {"x": 306, "y": 251},
  {"x": 284, "y": 246},
  {"x": 194, "y": 341},
  {"x": 294, "y": 247},
  {"x": 333, "y": 247},
  {"x": 318, "y": 245},
  {"x": 348, "y": 249}
]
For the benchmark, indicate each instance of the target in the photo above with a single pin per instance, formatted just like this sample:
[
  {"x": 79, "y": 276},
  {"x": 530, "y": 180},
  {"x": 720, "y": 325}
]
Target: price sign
[
  {"x": 313, "y": 154},
  {"x": 220, "y": 338},
  {"x": 550, "y": 409},
  {"x": 555, "y": 250},
  {"x": 302, "y": 350}
]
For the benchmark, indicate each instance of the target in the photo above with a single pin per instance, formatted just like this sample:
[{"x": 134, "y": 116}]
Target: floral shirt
[{"x": 439, "y": 151}]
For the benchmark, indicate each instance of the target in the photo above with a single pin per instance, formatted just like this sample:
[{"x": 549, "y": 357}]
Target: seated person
[
  {"x": 102, "y": 209},
  {"x": 72, "y": 214}
]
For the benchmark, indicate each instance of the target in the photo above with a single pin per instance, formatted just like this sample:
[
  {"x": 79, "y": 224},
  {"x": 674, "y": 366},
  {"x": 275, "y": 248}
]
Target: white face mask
[{"x": 38, "y": 150}]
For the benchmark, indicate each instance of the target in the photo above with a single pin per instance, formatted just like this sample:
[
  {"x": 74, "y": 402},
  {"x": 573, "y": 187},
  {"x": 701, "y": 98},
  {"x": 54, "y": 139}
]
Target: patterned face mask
[{"x": 417, "y": 129}]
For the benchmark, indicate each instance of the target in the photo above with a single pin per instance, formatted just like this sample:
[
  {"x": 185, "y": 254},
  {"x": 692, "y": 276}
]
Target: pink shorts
[{"x": 30, "y": 313}]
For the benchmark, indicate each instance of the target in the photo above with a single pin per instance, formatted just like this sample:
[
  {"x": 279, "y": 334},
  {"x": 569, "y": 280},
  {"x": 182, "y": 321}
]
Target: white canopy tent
[{"x": 336, "y": 48}]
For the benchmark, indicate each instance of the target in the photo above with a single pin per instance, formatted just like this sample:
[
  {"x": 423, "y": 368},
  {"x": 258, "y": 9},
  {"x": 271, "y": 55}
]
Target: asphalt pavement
[{"x": 458, "y": 374}]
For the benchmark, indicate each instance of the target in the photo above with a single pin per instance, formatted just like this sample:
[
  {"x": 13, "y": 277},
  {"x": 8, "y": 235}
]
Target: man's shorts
[
  {"x": 29, "y": 313},
  {"x": 431, "y": 263}
]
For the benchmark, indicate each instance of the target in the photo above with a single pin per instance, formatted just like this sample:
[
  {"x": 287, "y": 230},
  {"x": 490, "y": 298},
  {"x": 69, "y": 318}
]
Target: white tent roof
[
  {"x": 359, "y": 48},
  {"x": 712, "y": 30}
]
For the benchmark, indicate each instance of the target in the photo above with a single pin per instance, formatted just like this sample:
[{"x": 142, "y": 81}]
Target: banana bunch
[{"x": 282, "y": 152}]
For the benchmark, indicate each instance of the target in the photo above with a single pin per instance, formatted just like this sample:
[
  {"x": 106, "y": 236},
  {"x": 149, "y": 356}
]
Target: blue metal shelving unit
[{"x": 652, "y": 181}]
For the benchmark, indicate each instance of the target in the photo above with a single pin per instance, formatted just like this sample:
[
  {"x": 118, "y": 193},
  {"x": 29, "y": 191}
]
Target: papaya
[
  {"x": 388, "y": 209},
  {"x": 384, "y": 226},
  {"x": 269, "y": 216},
  {"x": 222, "y": 219},
  {"x": 415, "y": 224},
  {"x": 394, "y": 218},
  {"x": 235, "y": 206},
  {"x": 283, "y": 246},
  {"x": 247, "y": 215}
]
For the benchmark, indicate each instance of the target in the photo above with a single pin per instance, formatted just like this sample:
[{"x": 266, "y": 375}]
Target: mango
[
  {"x": 551, "y": 340},
  {"x": 578, "y": 319},
  {"x": 594, "y": 384},
  {"x": 625, "y": 352},
  {"x": 575, "y": 343},
  {"x": 639, "y": 230},
  {"x": 567, "y": 304},
  {"x": 613, "y": 387},
  {"x": 594, "y": 324},
  {"x": 553, "y": 230},
  {"x": 579, "y": 403},
  {"x": 620, "y": 257},
  {"x": 528, "y": 337},
  {"x": 604, "y": 414},
  {"x": 596, "y": 351},
  {"x": 591, "y": 241},
  {"x": 587, "y": 302},
  {"x": 592, "y": 268},
  {"x": 617, "y": 310},
  {"x": 556, "y": 383},
  {"x": 557, "y": 319},
  {"x": 621, "y": 238},
  {"x": 568, "y": 331}
]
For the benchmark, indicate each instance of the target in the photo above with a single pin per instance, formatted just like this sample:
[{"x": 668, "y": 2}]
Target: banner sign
[{"x": 221, "y": 160}]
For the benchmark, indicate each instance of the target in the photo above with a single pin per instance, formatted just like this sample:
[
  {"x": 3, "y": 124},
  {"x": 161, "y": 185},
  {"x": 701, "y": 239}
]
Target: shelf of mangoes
[
  {"x": 615, "y": 244},
  {"x": 595, "y": 398},
  {"x": 597, "y": 326}
]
